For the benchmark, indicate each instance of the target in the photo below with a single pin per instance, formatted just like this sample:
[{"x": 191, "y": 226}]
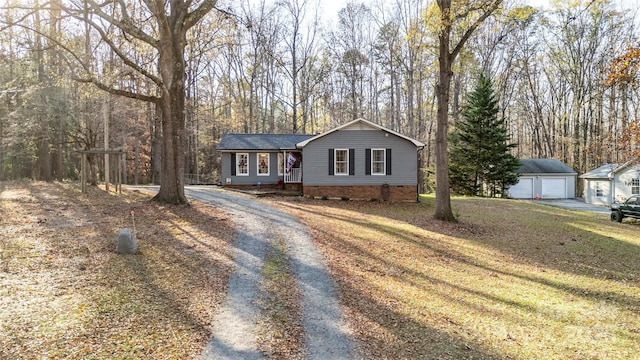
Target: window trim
[
  {"x": 599, "y": 188},
  {"x": 346, "y": 162},
  {"x": 635, "y": 185},
  {"x": 238, "y": 157},
  {"x": 258, "y": 164},
  {"x": 383, "y": 162},
  {"x": 281, "y": 165}
]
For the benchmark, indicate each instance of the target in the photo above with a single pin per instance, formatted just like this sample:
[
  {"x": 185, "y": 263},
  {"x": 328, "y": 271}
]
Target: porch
[
  {"x": 292, "y": 167},
  {"x": 293, "y": 175}
]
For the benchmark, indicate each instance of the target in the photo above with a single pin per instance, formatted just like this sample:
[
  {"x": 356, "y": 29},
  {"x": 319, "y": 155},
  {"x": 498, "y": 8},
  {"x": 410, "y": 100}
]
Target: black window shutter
[
  {"x": 233, "y": 164},
  {"x": 331, "y": 165},
  {"x": 367, "y": 160},
  {"x": 388, "y": 162},
  {"x": 352, "y": 161}
]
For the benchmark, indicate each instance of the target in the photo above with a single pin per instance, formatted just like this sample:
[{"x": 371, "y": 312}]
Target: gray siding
[
  {"x": 252, "y": 178},
  {"x": 315, "y": 164}
]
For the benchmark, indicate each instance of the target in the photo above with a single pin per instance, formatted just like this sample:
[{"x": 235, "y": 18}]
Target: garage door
[
  {"x": 523, "y": 189},
  {"x": 554, "y": 188}
]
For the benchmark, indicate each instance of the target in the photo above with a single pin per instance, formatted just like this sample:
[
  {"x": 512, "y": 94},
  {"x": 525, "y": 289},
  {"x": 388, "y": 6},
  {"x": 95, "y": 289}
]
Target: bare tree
[
  {"x": 160, "y": 27},
  {"x": 300, "y": 42},
  {"x": 449, "y": 48}
]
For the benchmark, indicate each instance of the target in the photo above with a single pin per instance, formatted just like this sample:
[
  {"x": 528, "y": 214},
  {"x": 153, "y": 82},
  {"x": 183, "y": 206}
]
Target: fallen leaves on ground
[
  {"x": 510, "y": 280},
  {"x": 66, "y": 293}
]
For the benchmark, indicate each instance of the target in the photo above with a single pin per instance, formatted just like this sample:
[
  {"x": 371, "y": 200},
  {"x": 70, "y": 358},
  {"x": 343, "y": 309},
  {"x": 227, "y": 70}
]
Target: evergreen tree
[{"x": 480, "y": 160}]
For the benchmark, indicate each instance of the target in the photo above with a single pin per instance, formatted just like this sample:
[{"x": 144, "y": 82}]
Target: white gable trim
[
  {"x": 360, "y": 124},
  {"x": 622, "y": 167}
]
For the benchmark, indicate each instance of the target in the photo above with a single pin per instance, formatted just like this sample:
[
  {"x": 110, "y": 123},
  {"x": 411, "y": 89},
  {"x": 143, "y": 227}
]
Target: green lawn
[{"x": 511, "y": 280}]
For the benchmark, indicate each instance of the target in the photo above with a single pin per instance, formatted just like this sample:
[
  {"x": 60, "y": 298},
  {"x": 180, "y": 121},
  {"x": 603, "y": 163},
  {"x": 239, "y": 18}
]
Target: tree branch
[
  {"x": 196, "y": 15},
  {"x": 125, "y": 24},
  {"x": 110, "y": 89},
  {"x": 488, "y": 12},
  {"x": 104, "y": 36}
]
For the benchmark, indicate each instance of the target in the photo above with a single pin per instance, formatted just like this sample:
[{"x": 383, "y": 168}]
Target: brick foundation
[
  {"x": 399, "y": 193},
  {"x": 285, "y": 187}
]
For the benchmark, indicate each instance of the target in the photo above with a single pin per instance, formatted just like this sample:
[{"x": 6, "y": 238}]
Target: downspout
[
  {"x": 418, "y": 174},
  {"x": 298, "y": 147},
  {"x": 612, "y": 181}
]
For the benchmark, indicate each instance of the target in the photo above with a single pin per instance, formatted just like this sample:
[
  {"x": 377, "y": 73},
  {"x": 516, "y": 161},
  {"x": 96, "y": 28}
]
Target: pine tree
[{"x": 480, "y": 160}]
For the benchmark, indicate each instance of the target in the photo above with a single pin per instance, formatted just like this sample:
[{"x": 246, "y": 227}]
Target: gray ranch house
[
  {"x": 544, "y": 179},
  {"x": 612, "y": 183},
  {"x": 358, "y": 160}
]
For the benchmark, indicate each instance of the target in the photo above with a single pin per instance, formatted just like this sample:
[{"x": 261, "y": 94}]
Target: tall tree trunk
[
  {"x": 155, "y": 125},
  {"x": 446, "y": 56},
  {"x": 172, "y": 65},
  {"x": 443, "y": 190},
  {"x": 43, "y": 171}
]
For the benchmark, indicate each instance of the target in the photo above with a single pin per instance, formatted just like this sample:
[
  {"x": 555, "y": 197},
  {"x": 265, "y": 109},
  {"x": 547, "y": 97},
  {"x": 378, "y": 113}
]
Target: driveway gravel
[
  {"x": 235, "y": 326},
  {"x": 576, "y": 204}
]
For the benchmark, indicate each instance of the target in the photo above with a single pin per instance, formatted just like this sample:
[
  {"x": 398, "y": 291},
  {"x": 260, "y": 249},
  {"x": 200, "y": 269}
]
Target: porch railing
[{"x": 293, "y": 176}]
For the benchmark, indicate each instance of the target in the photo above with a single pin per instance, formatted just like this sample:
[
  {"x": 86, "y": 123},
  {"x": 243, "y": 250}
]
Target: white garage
[
  {"x": 544, "y": 178},
  {"x": 523, "y": 189},
  {"x": 554, "y": 188}
]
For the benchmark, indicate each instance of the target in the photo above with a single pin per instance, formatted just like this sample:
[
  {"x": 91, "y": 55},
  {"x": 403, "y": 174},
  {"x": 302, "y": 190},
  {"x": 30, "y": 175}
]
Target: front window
[
  {"x": 263, "y": 164},
  {"x": 341, "y": 162},
  {"x": 635, "y": 186},
  {"x": 280, "y": 163},
  {"x": 599, "y": 189},
  {"x": 377, "y": 162},
  {"x": 242, "y": 164}
]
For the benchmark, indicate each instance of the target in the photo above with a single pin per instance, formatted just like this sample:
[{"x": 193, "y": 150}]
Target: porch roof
[{"x": 257, "y": 142}]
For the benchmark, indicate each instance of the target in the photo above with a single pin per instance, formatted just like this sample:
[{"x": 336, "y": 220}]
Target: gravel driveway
[
  {"x": 576, "y": 204},
  {"x": 234, "y": 328}
]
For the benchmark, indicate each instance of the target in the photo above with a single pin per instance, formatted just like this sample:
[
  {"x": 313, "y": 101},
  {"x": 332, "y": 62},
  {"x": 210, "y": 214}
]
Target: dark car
[{"x": 629, "y": 208}]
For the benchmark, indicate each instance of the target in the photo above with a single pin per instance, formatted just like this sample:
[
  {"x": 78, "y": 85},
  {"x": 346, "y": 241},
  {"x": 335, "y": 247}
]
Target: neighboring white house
[
  {"x": 544, "y": 179},
  {"x": 612, "y": 183}
]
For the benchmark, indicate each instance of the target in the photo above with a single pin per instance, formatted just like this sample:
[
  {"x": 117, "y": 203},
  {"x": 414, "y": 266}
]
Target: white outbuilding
[
  {"x": 544, "y": 179},
  {"x": 612, "y": 183}
]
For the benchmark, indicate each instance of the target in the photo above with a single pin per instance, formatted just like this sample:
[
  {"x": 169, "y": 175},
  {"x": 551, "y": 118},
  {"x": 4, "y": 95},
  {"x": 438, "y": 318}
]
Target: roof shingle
[
  {"x": 544, "y": 166},
  {"x": 261, "y": 141}
]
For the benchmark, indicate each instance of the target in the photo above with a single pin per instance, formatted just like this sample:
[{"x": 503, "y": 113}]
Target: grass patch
[
  {"x": 281, "y": 335},
  {"x": 511, "y": 279},
  {"x": 65, "y": 293}
]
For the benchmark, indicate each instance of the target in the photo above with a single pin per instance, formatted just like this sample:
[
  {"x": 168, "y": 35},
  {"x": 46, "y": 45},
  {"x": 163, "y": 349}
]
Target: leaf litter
[{"x": 65, "y": 293}]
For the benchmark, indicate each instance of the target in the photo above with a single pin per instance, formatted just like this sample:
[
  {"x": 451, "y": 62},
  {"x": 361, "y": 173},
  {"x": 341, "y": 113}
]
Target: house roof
[
  {"x": 544, "y": 166},
  {"x": 624, "y": 166},
  {"x": 602, "y": 172},
  {"x": 248, "y": 142},
  {"x": 607, "y": 171},
  {"x": 360, "y": 122}
]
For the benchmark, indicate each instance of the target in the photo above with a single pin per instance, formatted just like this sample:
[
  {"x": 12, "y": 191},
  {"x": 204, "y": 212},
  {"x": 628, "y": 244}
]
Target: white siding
[
  {"x": 590, "y": 196},
  {"x": 623, "y": 181}
]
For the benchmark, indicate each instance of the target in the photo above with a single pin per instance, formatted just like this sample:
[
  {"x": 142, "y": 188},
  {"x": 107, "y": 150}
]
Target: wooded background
[{"x": 277, "y": 67}]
